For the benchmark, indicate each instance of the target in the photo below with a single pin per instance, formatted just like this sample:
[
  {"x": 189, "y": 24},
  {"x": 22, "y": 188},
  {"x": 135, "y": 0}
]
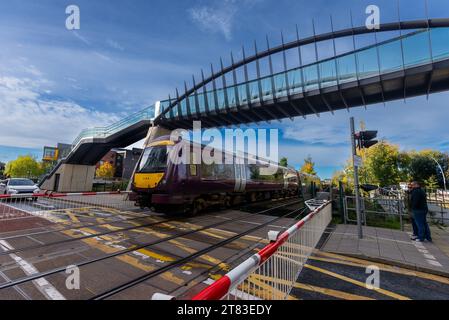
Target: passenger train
[{"x": 165, "y": 186}]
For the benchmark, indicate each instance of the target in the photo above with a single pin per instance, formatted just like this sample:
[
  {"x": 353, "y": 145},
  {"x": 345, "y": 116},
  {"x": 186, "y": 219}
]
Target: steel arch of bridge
[{"x": 227, "y": 118}]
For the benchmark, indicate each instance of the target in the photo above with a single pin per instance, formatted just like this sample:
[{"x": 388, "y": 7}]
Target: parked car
[{"x": 15, "y": 186}]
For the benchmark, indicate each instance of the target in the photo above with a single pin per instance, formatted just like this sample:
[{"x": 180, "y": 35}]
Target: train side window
[
  {"x": 207, "y": 171},
  {"x": 224, "y": 171},
  {"x": 193, "y": 171}
]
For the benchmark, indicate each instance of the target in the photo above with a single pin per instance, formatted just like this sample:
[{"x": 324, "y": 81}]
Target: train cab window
[{"x": 154, "y": 160}]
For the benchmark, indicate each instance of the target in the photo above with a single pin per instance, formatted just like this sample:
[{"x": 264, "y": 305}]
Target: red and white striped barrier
[{"x": 228, "y": 283}]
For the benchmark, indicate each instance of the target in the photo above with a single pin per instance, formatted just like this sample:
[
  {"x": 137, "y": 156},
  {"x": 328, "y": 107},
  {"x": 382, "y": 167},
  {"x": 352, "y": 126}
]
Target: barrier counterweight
[{"x": 271, "y": 273}]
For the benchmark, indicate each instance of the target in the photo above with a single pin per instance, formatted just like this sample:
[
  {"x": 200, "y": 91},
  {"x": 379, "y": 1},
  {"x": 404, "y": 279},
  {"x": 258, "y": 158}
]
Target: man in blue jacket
[{"x": 420, "y": 210}]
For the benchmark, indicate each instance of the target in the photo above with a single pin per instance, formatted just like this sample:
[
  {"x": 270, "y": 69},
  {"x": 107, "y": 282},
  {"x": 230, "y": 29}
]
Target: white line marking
[
  {"x": 41, "y": 284},
  {"x": 434, "y": 263},
  {"x": 429, "y": 256}
]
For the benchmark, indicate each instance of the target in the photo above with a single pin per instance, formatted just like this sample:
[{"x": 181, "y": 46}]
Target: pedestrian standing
[
  {"x": 408, "y": 204},
  {"x": 420, "y": 211}
]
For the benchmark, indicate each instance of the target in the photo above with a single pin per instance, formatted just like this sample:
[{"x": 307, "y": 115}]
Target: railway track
[{"x": 238, "y": 218}]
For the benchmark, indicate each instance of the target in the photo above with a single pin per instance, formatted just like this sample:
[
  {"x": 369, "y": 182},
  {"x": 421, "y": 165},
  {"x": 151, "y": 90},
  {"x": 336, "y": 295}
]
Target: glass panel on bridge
[
  {"x": 266, "y": 88},
  {"x": 231, "y": 96},
  {"x": 440, "y": 43},
  {"x": 221, "y": 99},
  {"x": 417, "y": 49},
  {"x": 367, "y": 63},
  {"x": 201, "y": 103},
  {"x": 311, "y": 77},
  {"x": 254, "y": 91},
  {"x": 390, "y": 57},
  {"x": 347, "y": 70},
  {"x": 242, "y": 94},
  {"x": 294, "y": 81},
  {"x": 279, "y": 85},
  {"x": 328, "y": 73}
]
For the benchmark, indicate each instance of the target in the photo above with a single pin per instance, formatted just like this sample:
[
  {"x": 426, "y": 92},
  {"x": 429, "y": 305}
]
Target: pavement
[
  {"x": 330, "y": 276},
  {"x": 393, "y": 247}
]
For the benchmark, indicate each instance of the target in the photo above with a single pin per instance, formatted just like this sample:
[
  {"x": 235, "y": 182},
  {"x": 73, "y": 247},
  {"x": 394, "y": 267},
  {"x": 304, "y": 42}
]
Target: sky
[{"x": 128, "y": 54}]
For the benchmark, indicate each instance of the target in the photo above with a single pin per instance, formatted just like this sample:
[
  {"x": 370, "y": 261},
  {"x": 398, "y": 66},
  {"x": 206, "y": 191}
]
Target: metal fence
[
  {"x": 391, "y": 204},
  {"x": 24, "y": 206},
  {"x": 272, "y": 272}
]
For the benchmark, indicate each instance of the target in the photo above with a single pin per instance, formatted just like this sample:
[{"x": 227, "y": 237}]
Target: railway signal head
[{"x": 366, "y": 139}]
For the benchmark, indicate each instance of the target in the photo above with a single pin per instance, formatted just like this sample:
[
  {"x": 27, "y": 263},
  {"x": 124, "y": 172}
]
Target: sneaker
[
  {"x": 418, "y": 240},
  {"x": 414, "y": 237}
]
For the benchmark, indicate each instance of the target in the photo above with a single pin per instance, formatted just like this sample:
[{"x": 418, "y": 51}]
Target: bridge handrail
[
  {"x": 227, "y": 285},
  {"x": 102, "y": 132}
]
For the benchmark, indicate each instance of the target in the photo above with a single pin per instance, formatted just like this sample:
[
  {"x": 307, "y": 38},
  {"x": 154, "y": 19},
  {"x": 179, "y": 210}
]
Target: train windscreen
[{"x": 154, "y": 160}]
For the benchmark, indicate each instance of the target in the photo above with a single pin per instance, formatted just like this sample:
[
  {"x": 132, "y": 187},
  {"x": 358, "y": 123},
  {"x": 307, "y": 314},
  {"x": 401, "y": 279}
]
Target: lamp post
[{"x": 442, "y": 173}]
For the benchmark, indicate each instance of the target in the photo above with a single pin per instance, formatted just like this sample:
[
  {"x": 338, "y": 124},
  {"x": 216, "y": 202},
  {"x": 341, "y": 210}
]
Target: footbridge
[{"x": 412, "y": 64}]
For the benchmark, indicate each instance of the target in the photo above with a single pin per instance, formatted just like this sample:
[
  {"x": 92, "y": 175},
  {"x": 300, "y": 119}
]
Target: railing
[
  {"x": 391, "y": 204},
  {"x": 410, "y": 50},
  {"x": 102, "y": 132},
  {"x": 25, "y": 206},
  {"x": 272, "y": 272}
]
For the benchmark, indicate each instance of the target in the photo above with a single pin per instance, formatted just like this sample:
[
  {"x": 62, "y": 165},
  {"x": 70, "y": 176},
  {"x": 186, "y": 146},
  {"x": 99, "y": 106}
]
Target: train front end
[{"x": 152, "y": 170}]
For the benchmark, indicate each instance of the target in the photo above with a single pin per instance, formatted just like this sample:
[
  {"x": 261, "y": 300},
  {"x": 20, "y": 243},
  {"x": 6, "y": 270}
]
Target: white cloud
[
  {"x": 219, "y": 16},
  {"x": 29, "y": 120},
  {"x": 115, "y": 45}
]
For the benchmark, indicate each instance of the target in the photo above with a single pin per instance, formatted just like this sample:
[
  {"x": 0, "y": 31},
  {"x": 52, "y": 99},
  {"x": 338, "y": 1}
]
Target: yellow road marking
[
  {"x": 325, "y": 291},
  {"x": 184, "y": 247},
  {"x": 72, "y": 216},
  {"x": 357, "y": 283},
  {"x": 267, "y": 292},
  {"x": 360, "y": 262},
  {"x": 130, "y": 260},
  {"x": 332, "y": 293}
]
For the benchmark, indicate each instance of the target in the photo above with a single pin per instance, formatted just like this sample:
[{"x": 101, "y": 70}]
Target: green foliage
[
  {"x": 431, "y": 182},
  {"x": 308, "y": 166},
  {"x": 384, "y": 165},
  {"x": 283, "y": 162},
  {"x": 24, "y": 167},
  {"x": 105, "y": 171}
]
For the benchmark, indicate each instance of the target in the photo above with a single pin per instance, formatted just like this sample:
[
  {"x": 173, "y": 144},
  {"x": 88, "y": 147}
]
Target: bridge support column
[{"x": 71, "y": 178}]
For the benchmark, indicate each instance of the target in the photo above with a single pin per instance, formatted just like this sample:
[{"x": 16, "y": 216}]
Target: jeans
[
  {"x": 414, "y": 226},
  {"x": 423, "y": 227}
]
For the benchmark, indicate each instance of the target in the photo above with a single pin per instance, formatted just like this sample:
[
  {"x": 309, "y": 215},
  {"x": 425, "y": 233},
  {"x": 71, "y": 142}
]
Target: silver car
[{"x": 18, "y": 186}]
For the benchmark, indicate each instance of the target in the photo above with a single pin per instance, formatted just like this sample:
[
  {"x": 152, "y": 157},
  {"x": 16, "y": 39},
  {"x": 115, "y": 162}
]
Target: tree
[
  {"x": 283, "y": 162},
  {"x": 105, "y": 171},
  {"x": 382, "y": 164},
  {"x": 422, "y": 165},
  {"x": 431, "y": 183},
  {"x": 24, "y": 167},
  {"x": 308, "y": 166}
]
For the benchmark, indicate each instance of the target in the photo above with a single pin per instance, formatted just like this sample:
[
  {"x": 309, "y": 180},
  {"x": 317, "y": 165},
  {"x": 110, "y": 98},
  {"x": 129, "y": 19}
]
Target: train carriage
[{"x": 166, "y": 186}]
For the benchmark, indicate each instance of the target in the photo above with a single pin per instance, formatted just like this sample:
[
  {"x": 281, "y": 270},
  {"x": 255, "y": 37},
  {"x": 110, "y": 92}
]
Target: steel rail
[
  {"x": 125, "y": 251},
  {"x": 116, "y": 221},
  {"x": 70, "y": 227},
  {"x": 184, "y": 260},
  {"x": 100, "y": 234}
]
